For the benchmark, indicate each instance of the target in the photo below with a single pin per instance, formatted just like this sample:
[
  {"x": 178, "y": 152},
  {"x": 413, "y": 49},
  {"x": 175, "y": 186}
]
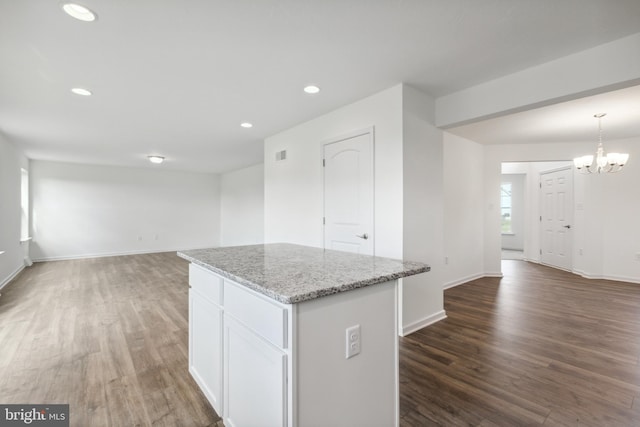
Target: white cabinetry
[
  {"x": 255, "y": 359},
  {"x": 206, "y": 334},
  {"x": 255, "y": 374},
  {"x": 262, "y": 363}
]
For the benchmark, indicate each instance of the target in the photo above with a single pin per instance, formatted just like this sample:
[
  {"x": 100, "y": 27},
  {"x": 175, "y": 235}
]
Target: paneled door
[
  {"x": 348, "y": 193},
  {"x": 556, "y": 219}
]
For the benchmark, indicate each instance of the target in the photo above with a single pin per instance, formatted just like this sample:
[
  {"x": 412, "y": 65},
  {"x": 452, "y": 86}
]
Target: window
[
  {"x": 505, "y": 207},
  {"x": 24, "y": 203}
]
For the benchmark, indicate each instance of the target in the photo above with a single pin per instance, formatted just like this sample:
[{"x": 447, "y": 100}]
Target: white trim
[
  {"x": 462, "y": 281},
  {"x": 349, "y": 135},
  {"x": 109, "y": 254},
  {"x": 559, "y": 168},
  {"x": 493, "y": 274},
  {"x": 424, "y": 322},
  {"x": 11, "y": 276},
  {"x": 625, "y": 279}
]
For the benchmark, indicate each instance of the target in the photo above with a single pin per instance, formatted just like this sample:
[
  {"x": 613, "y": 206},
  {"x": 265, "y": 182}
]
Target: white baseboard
[
  {"x": 605, "y": 277},
  {"x": 11, "y": 276},
  {"x": 429, "y": 320},
  {"x": 462, "y": 280},
  {"x": 109, "y": 254},
  {"x": 493, "y": 274}
]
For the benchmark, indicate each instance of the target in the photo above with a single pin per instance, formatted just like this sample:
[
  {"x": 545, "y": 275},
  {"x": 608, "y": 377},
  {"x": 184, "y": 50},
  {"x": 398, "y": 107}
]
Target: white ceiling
[
  {"x": 570, "y": 121},
  {"x": 176, "y": 78}
]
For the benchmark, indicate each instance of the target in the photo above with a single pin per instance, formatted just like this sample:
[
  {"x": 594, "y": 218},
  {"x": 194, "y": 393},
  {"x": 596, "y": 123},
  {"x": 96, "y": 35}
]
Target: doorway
[
  {"x": 348, "y": 193},
  {"x": 529, "y": 233}
]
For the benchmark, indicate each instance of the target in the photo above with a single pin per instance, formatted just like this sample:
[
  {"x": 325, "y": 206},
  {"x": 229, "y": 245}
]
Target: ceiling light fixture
[
  {"x": 246, "y": 125},
  {"x": 311, "y": 89},
  {"x": 612, "y": 162},
  {"x": 79, "y": 12},
  {"x": 81, "y": 91},
  {"x": 156, "y": 159}
]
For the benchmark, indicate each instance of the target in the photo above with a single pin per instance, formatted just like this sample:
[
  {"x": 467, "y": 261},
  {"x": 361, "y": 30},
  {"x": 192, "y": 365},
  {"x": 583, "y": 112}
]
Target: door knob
[
  {"x": 566, "y": 226},
  {"x": 364, "y": 236}
]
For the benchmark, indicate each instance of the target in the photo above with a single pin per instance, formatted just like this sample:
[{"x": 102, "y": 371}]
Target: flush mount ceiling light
[
  {"x": 81, "y": 91},
  {"x": 79, "y": 12},
  {"x": 246, "y": 125},
  {"x": 156, "y": 159},
  {"x": 612, "y": 162},
  {"x": 311, "y": 89}
]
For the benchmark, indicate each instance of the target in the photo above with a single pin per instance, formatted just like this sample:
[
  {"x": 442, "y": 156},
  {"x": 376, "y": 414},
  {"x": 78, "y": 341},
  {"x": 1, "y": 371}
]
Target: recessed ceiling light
[
  {"x": 81, "y": 91},
  {"x": 79, "y": 12},
  {"x": 156, "y": 159},
  {"x": 312, "y": 89},
  {"x": 246, "y": 125}
]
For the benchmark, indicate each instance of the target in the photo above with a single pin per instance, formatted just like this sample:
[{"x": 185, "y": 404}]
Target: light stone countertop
[{"x": 292, "y": 273}]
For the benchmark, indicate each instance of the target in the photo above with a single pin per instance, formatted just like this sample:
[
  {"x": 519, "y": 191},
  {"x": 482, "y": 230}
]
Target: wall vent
[{"x": 281, "y": 155}]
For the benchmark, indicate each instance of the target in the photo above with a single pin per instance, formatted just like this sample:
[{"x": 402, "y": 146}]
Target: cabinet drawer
[
  {"x": 207, "y": 283},
  {"x": 264, "y": 317}
]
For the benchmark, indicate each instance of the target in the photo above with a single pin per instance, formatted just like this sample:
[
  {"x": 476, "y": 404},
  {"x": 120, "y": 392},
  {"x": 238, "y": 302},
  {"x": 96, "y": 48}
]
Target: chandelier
[{"x": 612, "y": 162}]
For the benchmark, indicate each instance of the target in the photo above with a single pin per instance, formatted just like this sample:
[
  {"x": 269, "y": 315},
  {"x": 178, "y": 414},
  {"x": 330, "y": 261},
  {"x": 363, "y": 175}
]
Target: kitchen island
[{"x": 288, "y": 335}]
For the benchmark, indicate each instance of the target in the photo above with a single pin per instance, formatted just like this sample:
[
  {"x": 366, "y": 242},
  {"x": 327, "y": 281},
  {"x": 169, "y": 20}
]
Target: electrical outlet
[
  {"x": 580, "y": 251},
  {"x": 139, "y": 238},
  {"x": 637, "y": 256},
  {"x": 446, "y": 260},
  {"x": 353, "y": 341}
]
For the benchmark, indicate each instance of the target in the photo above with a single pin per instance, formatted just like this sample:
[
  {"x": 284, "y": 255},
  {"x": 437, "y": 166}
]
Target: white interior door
[
  {"x": 348, "y": 194},
  {"x": 556, "y": 206}
]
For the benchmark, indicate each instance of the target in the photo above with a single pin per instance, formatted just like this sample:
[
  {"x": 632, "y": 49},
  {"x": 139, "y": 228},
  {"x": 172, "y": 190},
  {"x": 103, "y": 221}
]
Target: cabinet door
[
  {"x": 205, "y": 347},
  {"x": 255, "y": 379}
]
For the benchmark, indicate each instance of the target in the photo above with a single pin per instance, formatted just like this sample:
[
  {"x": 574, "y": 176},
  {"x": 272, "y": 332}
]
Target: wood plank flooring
[
  {"x": 537, "y": 347},
  {"x": 109, "y": 336}
]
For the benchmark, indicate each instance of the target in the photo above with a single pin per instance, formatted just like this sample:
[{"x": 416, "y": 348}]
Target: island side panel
[{"x": 336, "y": 391}]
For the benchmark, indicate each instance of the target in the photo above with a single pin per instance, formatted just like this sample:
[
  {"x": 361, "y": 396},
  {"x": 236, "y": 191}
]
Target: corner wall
[
  {"x": 85, "y": 211},
  {"x": 464, "y": 210},
  {"x": 408, "y": 188},
  {"x": 293, "y": 187},
  {"x": 11, "y": 162},
  {"x": 423, "y": 205}
]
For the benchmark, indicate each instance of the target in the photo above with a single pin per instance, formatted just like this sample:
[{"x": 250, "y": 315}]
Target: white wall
[
  {"x": 620, "y": 203},
  {"x": 606, "y": 208},
  {"x": 463, "y": 210},
  {"x": 11, "y": 161},
  {"x": 242, "y": 206},
  {"x": 85, "y": 210},
  {"x": 293, "y": 187},
  {"x": 423, "y": 205}
]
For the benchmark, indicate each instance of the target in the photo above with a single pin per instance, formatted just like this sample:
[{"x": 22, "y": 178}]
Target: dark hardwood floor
[{"x": 537, "y": 347}]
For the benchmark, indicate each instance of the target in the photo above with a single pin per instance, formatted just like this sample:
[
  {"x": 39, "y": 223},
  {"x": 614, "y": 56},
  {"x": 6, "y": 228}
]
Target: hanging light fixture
[{"x": 612, "y": 162}]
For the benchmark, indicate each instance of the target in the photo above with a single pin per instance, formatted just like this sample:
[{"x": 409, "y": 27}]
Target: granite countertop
[{"x": 292, "y": 273}]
